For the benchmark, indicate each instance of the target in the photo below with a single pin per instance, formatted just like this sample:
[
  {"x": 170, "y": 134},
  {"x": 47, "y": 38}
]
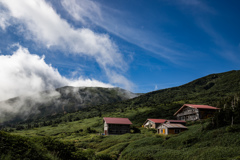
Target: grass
[
  {"x": 192, "y": 144},
  {"x": 63, "y": 128},
  {"x": 195, "y": 143}
]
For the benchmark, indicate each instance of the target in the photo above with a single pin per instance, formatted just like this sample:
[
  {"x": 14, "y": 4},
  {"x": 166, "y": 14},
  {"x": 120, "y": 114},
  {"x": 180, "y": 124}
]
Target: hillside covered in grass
[
  {"x": 78, "y": 135},
  {"x": 214, "y": 89},
  {"x": 80, "y": 140}
]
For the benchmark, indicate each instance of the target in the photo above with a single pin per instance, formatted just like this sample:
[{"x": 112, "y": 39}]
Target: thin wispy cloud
[
  {"x": 119, "y": 23},
  {"x": 200, "y": 10},
  {"x": 195, "y": 6},
  {"x": 43, "y": 25}
]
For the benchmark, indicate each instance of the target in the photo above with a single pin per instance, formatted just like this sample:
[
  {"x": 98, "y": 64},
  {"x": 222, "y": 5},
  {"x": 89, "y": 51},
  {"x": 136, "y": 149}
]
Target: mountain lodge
[
  {"x": 192, "y": 112},
  {"x": 116, "y": 126},
  {"x": 153, "y": 123},
  {"x": 171, "y": 128},
  {"x": 164, "y": 126}
]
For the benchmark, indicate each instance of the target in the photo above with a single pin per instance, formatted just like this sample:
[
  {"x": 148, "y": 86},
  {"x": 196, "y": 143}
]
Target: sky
[{"x": 137, "y": 45}]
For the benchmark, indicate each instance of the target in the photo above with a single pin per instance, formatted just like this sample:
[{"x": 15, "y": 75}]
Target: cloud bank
[
  {"x": 43, "y": 25},
  {"x": 23, "y": 73}
]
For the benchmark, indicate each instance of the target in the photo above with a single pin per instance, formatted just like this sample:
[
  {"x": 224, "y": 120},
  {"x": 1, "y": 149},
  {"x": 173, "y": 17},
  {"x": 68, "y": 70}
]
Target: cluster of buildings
[{"x": 188, "y": 112}]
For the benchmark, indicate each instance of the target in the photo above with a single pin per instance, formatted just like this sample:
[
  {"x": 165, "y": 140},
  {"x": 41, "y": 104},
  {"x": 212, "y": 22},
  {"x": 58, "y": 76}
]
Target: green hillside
[
  {"x": 75, "y": 140},
  {"x": 91, "y": 102},
  {"x": 213, "y": 90},
  {"x": 77, "y": 135}
]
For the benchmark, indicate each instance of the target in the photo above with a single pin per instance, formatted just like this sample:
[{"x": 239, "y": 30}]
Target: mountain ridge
[
  {"x": 61, "y": 100},
  {"x": 210, "y": 90}
]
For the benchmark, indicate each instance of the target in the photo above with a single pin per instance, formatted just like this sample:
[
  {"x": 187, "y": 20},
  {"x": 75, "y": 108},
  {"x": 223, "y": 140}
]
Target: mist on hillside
[{"x": 62, "y": 100}]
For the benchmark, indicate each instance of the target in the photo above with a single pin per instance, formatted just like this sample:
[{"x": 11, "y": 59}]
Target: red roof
[
  {"x": 196, "y": 106},
  {"x": 157, "y": 120},
  {"x": 110, "y": 120},
  {"x": 200, "y": 106}
]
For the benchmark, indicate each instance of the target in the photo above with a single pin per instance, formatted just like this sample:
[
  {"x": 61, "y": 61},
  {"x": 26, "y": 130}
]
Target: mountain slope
[
  {"x": 210, "y": 90},
  {"x": 201, "y": 141},
  {"x": 59, "y": 101}
]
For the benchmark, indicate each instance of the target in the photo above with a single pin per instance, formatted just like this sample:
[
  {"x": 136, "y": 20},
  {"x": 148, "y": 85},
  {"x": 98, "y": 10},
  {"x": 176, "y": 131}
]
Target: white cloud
[
  {"x": 123, "y": 25},
  {"x": 43, "y": 25},
  {"x": 87, "y": 9},
  {"x": 23, "y": 73},
  {"x": 3, "y": 20}
]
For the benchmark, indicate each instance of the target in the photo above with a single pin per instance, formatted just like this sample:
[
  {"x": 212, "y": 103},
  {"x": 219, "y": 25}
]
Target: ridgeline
[{"x": 76, "y": 135}]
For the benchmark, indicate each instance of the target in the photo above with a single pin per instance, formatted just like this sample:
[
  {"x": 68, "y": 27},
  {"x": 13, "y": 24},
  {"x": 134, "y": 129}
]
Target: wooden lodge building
[
  {"x": 171, "y": 128},
  {"x": 116, "y": 126},
  {"x": 153, "y": 123},
  {"x": 166, "y": 127},
  {"x": 192, "y": 112}
]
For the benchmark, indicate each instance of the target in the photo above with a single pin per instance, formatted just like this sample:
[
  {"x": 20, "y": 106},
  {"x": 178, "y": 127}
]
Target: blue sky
[{"x": 138, "y": 45}]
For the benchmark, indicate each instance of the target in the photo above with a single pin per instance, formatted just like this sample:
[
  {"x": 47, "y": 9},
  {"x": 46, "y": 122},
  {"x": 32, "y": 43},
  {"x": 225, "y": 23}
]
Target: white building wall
[
  {"x": 162, "y": 127},
  {"x": 105, "y": 126}
]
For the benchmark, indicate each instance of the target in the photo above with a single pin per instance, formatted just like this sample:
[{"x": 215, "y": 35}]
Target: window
[{"x": 176, "y": 131}]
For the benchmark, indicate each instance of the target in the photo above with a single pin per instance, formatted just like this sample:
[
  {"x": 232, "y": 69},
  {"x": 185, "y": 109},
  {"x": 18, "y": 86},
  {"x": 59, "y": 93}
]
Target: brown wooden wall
[
  {"x": 172, "y": 130},
  {"x": 118, "y": 129}
]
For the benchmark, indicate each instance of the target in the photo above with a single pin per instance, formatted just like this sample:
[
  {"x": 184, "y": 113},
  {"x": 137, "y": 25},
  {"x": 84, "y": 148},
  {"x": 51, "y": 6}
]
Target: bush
[
  {"x": 152, "y": 130},
  {"x": 103, "y": 157},
  {"x": 20, "y": 128},
  {"x": 18, "y": 147},
  {"x": 135, "y": 130},
  {"x": 234, "y": 128},
  {"x": 90, "y": 130}
]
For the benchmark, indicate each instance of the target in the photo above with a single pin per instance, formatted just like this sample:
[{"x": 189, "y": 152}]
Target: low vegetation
[
  {"x": 78, "y": 135},
  {"x": 198, "y": 142}
]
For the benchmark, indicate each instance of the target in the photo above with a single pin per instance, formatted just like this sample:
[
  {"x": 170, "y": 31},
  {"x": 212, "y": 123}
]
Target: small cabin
[
  {"x": 116, "y": 126},
  {"x": 168, "y": 128},
  {"x": 193, "y": 112},
  {"x": 153, "y": 123}
]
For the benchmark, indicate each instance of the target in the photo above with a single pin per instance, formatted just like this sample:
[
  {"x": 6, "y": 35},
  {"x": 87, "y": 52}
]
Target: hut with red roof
[
  {"x": 153, "y": 123},
  {"x": 193, "y": 112},
  {"x": 116, "y": 126}
]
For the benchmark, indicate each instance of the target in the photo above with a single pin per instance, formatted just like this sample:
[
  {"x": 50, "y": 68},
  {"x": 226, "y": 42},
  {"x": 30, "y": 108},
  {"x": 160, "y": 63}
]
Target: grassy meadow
[
  {"x": 77, "y": 136},
  {"x": 198, "y": 142}
]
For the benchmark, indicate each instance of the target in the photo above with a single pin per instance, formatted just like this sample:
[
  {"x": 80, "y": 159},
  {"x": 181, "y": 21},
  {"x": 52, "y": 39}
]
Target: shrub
[
  {"x": 103, "y": 157},
  {"x": 90, "y": 130},
  {"x": 135, "y": 130},
  {"x": 234, "y": 128}
]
